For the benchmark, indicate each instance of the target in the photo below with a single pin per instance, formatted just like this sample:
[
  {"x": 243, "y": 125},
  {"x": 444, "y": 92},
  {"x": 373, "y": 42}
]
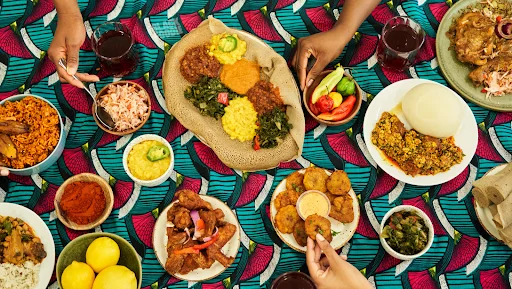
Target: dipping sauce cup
[
  {"x": 114, "y": 46},
  {"x": 400, "y": 41}
]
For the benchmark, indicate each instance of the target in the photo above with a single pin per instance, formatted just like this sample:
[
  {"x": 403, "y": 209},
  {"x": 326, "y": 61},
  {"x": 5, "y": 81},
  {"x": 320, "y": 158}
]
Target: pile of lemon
[{"x": 101, "y": 257}]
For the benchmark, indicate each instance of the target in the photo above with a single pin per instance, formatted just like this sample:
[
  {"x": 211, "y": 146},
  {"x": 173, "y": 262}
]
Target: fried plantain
[
  {"x": 338, "y": 183},
  {"x": 286, "y": 218},
  {"x": 315, "y": 178},
  {"x": 286, "y": 198},
  {"x": 299, "y": 233},
  {"x": 316, "y": 224},
  {"x": 295, "y": 181},
  {"x": 7, "y": 148},
  {"x": 11, "y": 127},
  {"x": 342, "y": 209}
]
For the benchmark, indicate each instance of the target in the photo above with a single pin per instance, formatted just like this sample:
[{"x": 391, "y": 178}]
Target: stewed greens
[{"x": 406, "y": 233}]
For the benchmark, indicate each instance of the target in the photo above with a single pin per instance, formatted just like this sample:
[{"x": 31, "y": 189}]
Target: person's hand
[
  {"x": 4, "y": 172},
  {"x": 324, "y": 46},
  {"x": 69, "y": 36},
  {"x": 332, "y": 271}
]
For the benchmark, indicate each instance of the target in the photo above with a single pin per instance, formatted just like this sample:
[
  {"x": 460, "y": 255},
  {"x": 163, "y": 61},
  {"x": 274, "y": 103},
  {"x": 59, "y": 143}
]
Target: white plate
[
  {"x": 198, "y": 275},
  {"x": 466, "y": 138},
  {"x": 41, "y": 231},
  {"x": 346, "y": 231},
  {"x": 484, "y": 214}
]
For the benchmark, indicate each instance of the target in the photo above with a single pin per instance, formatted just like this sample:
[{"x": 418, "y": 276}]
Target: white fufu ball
[{"x": 432, "y": 109}]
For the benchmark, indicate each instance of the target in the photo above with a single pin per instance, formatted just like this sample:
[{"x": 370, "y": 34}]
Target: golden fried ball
[
  {"x": 338, "y": 183},
  {"x": 286, "y": 218},
  {"x": 315, "y": 178}
]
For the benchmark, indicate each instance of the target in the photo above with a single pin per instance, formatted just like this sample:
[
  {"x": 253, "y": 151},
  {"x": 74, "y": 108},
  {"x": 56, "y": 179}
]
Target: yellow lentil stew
[{"x": 414, "y": 153}]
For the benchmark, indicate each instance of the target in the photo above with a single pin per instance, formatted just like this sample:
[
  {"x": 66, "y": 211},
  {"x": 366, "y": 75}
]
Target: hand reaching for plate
[{"x": 332, "y": 271}]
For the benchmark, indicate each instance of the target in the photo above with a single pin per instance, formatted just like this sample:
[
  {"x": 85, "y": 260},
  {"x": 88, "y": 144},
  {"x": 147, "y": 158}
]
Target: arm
[
  {"x": 68, "y": 37},
  {"x": 328, "y": 45}
]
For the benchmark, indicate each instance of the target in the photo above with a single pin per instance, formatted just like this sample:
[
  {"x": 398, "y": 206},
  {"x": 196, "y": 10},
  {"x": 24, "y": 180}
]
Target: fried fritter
[
  {"x": 286, "y": 218},
  {"x": 179, "y": 216},
  {"x": 295, "y": 182},
  {"x": 299, "y": 233},
  {"x": 315, "y": 178},
  {"x": 192, "y": 201},
  {"x": 342, "y": 209},
  {"x": 286, "y": 198},
  {"x": 338, "y": 183},
  {"x": 316, "y": 224},
  {"x": 330, "y": 196},
  {"x": 474, "y": 38}
]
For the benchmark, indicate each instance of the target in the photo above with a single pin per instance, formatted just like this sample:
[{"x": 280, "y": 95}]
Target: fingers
[
  {"x": 72, "y": 50},
  {"x": 86, "y": 77},
  {"x": 318, "y": 67},
  {"x": 324, "y": 263},
  {"x": 333, "y": 257},
  {"x": 343, "y": 257},
  {"x": 68, "y": 78},
  {"x": 4, "y": 172},
  {"x": 311, "y": 259},
  {"x": 302, "y": 55}
]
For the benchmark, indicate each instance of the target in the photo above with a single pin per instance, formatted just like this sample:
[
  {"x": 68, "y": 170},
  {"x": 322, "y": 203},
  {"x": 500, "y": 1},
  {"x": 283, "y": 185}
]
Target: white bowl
[
  {"x": 162, "y": 178},
  {"x": 312, "y": 192},
  {"x": 425, "y": 218}
]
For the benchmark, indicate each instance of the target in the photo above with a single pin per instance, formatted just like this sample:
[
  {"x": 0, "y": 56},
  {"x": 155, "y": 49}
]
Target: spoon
[{"x": 102, "y": 115}]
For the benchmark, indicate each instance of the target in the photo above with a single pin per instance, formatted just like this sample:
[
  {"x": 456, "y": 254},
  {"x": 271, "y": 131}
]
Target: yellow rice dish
[
  {"x": 219, "y": 48},
  {"x": 239, "y": 120},
  {"x": 141, "y": 167}
]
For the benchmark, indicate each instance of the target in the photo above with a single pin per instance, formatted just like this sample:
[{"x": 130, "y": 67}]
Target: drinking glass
[
  {"x": 115, "y": 48},
  {"x": 400, "y": 41}
]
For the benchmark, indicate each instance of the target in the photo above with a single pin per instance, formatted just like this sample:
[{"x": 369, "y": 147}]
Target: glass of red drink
[
  {"x": 400, "y": 41},
  {"x": 115, "y": 48}
]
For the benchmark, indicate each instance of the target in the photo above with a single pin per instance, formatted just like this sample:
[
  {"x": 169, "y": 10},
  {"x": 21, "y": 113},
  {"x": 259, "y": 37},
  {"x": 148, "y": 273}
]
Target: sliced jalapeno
[
  {"x": 228, "y": 43},
  {"x": 157, "y": 153}
]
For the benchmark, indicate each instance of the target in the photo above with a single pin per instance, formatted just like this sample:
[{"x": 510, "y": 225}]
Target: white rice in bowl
[{"x": 24, "y": 276}]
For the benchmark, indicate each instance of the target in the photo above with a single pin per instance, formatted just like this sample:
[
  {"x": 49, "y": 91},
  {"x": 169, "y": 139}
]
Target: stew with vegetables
[
  {"x": 406, "y": 233},
  {"x": 18, "y": 242}
]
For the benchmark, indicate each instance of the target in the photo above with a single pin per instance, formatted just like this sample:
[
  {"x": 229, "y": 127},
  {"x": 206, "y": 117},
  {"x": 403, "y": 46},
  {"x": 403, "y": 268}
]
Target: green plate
[
  {"x": 456, "y": 72},
  {"x": 75, "y": 251}
]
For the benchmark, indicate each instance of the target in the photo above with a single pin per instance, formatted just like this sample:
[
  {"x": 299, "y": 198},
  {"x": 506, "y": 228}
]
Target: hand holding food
[{"x": 332, "y": 271}]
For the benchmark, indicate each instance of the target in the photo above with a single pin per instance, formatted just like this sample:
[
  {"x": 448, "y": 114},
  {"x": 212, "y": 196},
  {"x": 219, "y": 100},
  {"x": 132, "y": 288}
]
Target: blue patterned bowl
[{"x": 54, "y": 156}]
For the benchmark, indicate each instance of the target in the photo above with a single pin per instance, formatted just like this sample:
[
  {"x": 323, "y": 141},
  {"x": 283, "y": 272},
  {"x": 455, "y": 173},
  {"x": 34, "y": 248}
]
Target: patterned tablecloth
[{"x": 463, "y": 255}]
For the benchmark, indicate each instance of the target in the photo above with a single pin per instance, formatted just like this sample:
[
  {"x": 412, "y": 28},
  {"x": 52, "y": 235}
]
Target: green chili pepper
[
  {"x": 158, "y": 152},
  {"x": 227, "y": 44},
  {"x": 346, "y": 86},
  {"x": 8, "y": 227}
]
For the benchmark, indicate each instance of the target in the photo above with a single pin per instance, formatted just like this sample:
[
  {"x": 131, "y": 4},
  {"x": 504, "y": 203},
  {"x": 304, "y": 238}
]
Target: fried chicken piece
[
  {"x": 315, "y": 178},
  {"x": 295, "y": 182},
  {"x": 214, "y": 251},
  {"x": 299, "y": 233},
  {"x": 498, "y": 64},
  {"x": 286, "y": 198},
  {"x": 338, "y": 183},
  {"x": 175, "y": 237},
  {"x": 192, "y": 201},
  {"x": 316, "y": 224},
  {"x": 203, "y": 260},
  {"x": 210, "y": 220},
  {"x": 286, "y": 218},
  {"x": 174, "y": 261},
  {"x": 179, "y": 216},
  {"x": 342, "y": 209},
  {"x": 474, "y": 38},
  {"x": 188, "y": 265}
]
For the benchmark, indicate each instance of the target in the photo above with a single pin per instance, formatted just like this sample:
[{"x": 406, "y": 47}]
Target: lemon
[
  {"x": 78, "y": 275},
  {"x": 118, "y": 277},
  {"x": 102, "y": 252}
]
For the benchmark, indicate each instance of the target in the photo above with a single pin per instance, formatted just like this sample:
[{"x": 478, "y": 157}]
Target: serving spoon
[{"x": 101, "y": 114}]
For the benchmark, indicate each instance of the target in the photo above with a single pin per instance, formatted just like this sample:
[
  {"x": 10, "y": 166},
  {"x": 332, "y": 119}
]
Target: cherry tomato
[
  {"x": 324, "y": 103},
  {"x": 223, "y": 98},
  {"x": 313, "y": 108}
]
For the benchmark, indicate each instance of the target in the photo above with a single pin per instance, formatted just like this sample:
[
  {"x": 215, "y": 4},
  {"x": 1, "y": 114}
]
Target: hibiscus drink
[
  {"x": 114, "y": 46},
  {"x": 400, "y": 41}
]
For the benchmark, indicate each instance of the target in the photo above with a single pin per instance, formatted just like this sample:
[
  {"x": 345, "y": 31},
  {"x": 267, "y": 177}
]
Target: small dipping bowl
[
  {"x": 161, "y": 179},
  {"x": 104, "y": 91},
  {"x": 421, "y": 214},
  {"x": 310, "y": 203},
  {"x": 85, "y": 177},
  {"x": 293, "y": 280}
]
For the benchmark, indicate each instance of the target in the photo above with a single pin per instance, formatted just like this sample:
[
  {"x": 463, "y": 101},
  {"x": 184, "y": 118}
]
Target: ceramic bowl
[
  {"x": 76, "y": 249},
  {"x": 85, "y": 177},
  {"x": 162, "y": 178},
  {"x": 425, "y": 218},
  {"x": 309, "y": 90},
  {"x": 289, "y": 279},
  {"x": 299, "y": 200},
  {"x": 104, "y": 90},
  {"x": 57, "y": 152}
]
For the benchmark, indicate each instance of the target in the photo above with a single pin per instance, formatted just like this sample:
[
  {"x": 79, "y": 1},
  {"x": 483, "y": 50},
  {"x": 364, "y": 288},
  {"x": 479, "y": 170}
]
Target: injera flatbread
[{"x": 235, "y": 154}]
